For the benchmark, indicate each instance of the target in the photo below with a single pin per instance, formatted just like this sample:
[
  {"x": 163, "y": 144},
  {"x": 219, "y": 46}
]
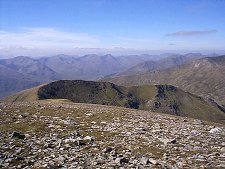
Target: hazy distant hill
[
  {"x": 31, "y": 67},
  {"x": 23, "y": 72},
  {"x": 161, "y": 64},
  {"x": 161, "y": 98},
  {"x": 12, "y": 81},
  {"x": 203, "y": 77},
  {"x": 92, "y": 67},
  {"x": 86, "y": 67}
]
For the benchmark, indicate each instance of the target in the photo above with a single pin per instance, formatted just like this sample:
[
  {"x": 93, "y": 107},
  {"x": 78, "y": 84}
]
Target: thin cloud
[
  {"x": 128, "y": 39},
  {"x": 46, "y": 37},
  {"x": 192, "y": 33}
]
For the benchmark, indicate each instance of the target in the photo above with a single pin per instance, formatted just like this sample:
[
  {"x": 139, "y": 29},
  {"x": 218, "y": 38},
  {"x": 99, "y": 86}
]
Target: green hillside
[{"x": 160, "y": 98}]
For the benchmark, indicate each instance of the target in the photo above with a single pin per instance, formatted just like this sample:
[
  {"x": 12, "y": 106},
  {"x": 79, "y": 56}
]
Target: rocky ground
[{"x": 59, "y": 135}]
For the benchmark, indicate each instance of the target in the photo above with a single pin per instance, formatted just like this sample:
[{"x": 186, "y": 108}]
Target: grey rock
[
  {"x": 5, "y": 164},
  {"x": 18, "y": 151},
  {"x": 167, "y": 141},
  {"x": 60, "y": 159},
  {"x": 117, "y": 160},
  {"x": 152, "y": 161},
  {"x": 215, "y": 130},
  {"x": 144, "y": 160}
]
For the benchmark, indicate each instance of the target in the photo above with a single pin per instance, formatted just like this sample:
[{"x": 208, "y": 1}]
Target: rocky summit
[{"x": 76, "y": 135}]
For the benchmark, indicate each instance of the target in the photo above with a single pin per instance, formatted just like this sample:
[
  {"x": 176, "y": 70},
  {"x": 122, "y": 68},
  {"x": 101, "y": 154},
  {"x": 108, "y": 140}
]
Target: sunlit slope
[{"x": 204, "y": 77}]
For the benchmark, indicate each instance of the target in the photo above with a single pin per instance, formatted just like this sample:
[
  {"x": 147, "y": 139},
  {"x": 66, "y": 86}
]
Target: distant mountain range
[
  {"x": 160, "y": 98},
  {"x": 204, "y": 77},
  {"x": 29, "y": 66},
  {"x": 12, "y": 81},
  {"x": 23, "y": 72},
  {"x": 172, "y": 61},
  {"x": 91, "y": 67}
]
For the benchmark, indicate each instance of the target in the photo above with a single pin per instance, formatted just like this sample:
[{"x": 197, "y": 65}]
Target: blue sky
[{"x": 66, "y": 26}]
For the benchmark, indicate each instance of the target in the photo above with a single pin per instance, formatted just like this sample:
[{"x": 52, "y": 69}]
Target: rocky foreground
[{"x": 66, "y": 135}]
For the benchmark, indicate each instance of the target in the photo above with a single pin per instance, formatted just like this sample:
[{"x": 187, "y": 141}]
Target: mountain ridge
[
  {"x": 160, "y": 98},
  {"x": 173, "y": 61},
  {"x": 203, "y": 77}
]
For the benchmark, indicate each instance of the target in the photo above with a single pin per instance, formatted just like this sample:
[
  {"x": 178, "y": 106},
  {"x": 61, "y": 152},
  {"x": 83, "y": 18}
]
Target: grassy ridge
[
  {"x": 86, "y": 92},
  {"x": 161, "y": 98}
]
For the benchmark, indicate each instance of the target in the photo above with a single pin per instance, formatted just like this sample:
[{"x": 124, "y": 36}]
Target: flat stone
[
  {"x": 144, "y": 160},
  {"x": 152, "y": 161}
]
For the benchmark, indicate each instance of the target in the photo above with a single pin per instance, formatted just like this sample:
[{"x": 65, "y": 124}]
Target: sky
[{"x": 45, "y": 27}]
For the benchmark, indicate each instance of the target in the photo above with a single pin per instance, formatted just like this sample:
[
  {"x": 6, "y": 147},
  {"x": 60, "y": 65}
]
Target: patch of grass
[
  {"x": 56, "y": 100},
  {"x": 149, "y": 150}
]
